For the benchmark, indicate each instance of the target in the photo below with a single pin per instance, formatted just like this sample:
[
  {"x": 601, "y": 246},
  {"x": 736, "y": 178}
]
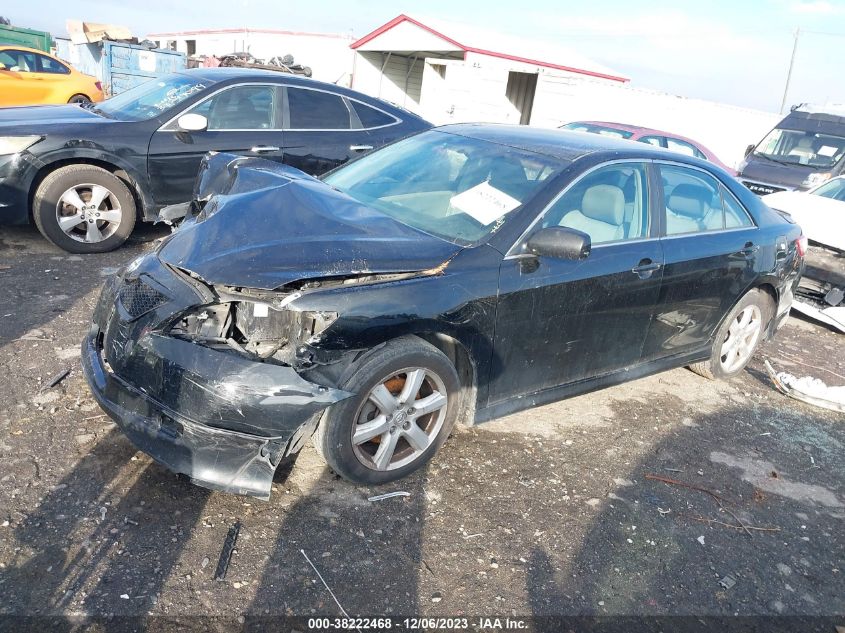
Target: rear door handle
[
  {"x": 263, "y": 149},
  {"x": 749, "y": 249},
  {"x": 360, "y": 148},
  {"x": 646, "y": 268}
]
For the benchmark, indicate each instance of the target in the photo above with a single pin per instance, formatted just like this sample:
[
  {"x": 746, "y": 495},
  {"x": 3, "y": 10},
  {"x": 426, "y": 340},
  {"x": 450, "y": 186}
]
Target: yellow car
[{"x": 32, "y": 77}]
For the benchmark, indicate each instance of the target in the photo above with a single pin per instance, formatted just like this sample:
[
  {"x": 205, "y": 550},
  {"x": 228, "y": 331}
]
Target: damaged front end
[
  {"x": 821, "y": 292},
  {"x": 199, "y": 381}
]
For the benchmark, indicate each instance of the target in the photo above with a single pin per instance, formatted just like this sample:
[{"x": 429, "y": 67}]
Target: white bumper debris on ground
[{"x": 808, "y": 389}]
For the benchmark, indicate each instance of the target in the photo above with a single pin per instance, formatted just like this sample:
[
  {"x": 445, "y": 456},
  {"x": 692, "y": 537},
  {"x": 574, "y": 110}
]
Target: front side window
[
  {"x": 657, "y": 141},
  {"x": 609, "y": 204},
  {"x": 50, "y": 65},
  {"x": 797, "y": 147},
  {"x": 18, "y": 61},
  {"x": 317, "y": 110},
  {"x": 458, "y": 188},
  {"x": 240, "y": 108},
  {"x": 696, "y": 202}
]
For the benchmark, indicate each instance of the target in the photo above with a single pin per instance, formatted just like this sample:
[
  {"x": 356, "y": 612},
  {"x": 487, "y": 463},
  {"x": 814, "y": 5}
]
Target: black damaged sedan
[{"x": 462, "y": 274}]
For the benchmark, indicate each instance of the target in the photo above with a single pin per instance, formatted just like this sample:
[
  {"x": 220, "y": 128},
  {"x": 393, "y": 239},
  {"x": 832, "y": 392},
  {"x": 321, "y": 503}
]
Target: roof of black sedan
[
  {"x": 562, "y": 144},
  {"x": 227, "y": 73}
]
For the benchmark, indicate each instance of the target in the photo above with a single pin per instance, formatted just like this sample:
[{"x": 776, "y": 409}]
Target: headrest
[
  {"x": 691, "y": 201},
  {"x": 605, "y": 203}
]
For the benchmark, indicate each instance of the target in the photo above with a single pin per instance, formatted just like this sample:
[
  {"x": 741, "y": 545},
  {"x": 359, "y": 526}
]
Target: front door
[
  {"x": 243, "y": 119},
  {"x": 561, "y": 321},
  {"x": 710, "y": 248}
]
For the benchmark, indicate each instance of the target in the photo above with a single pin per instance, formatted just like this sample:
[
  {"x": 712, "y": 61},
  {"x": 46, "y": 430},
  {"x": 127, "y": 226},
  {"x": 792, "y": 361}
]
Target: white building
[
  {"x": 450, "y": 73},
  {"x": 328, "y": 54}
]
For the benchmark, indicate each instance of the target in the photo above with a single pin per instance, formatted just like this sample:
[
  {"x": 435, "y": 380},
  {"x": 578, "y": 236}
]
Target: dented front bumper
[{"x": 220, "y": 418}]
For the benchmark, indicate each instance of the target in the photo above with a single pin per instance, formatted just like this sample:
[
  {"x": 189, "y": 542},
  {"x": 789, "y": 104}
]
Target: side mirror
[
  {"x": 192, "y": 122},
  {"x": 749, "y": 149},
  {"x": 559, "y": 242}
]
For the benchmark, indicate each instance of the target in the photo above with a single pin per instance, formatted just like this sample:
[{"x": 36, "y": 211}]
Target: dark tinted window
[
  {"x": 49, "y": 65},
  {"x": 317, "y": 110},
  {"x": 370, "y": 117}
]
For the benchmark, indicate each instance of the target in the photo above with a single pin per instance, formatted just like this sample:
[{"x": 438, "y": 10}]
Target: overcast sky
[{"x": 723, "y": 50}]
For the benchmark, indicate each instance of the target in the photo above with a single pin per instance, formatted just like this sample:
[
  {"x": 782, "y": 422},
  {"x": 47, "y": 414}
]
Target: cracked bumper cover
[{"x": 222, "y": 420}]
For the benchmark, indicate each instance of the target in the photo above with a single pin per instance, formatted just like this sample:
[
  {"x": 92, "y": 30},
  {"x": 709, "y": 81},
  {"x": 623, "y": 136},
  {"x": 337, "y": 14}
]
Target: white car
[{"x": 820, "y": 212}]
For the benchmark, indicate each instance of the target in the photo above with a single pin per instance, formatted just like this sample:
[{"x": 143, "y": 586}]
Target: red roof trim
[
  {"x": 398, "y": 20},
  {"x": 229, "y": 31},
  {"x": 480, "y": 51}
]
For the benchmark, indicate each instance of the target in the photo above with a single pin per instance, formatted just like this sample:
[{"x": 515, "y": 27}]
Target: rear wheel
[
  {"x": 84, "y": 209},
  {"x": 738, "y": 337},
  {"x": 79, "y": 99},
  {"x": 407, "y": 396}
]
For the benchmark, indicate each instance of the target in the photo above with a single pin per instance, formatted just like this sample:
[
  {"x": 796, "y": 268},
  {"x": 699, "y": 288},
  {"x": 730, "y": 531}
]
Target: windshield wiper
[{"x": 787, "y": 163}]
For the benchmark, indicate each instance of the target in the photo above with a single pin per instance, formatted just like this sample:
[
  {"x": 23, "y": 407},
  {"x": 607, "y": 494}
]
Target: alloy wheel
[
  {"x": 401, "y": 417},
  {"x": 88, "y": 213},
  {"x": 741, "y": 339}
]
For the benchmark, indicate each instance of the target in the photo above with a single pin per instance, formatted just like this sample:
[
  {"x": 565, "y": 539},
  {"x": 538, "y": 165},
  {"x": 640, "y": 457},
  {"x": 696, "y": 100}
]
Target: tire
[
  {"x": 728, "y": 360},
  {"x": 387, "y": 370},
  {"x": 114, "y": 215},
  {"x": 80, "y": 99}
]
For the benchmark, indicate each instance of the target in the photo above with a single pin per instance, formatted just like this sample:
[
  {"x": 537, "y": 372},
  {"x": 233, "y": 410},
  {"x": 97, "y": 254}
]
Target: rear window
[
  {"x": 602, "y": 130},
  {"x": 370, "y": 117}
]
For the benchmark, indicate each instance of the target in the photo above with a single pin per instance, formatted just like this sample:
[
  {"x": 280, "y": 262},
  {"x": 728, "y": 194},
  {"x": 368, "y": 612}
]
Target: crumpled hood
[{"x": 292, "y": 228}]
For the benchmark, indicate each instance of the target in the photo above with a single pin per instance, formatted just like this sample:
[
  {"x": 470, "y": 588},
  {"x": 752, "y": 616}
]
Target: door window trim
[
  {"x": 513, "y": 253},
  {"x": 662, "y": 202}
]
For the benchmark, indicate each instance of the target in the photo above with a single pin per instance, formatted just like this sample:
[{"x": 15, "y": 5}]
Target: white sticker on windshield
[
  {"x": 484, "y": 203},
  {"x": 827, "y": 150}
]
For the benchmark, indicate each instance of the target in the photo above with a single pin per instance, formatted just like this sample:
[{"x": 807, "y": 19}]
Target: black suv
[{"x": 84, "y": 174}]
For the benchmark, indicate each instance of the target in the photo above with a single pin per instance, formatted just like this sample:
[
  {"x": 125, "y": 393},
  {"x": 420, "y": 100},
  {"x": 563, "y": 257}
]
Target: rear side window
[
  {"x": 657, "y": 141},
  {"x": 317, "y": 110},
  {"x": 696, "y": 202},
  {"x": 370, "y": 117},
  {"x": 682, "y": 147},
  {"x": 49, "y": 65}
]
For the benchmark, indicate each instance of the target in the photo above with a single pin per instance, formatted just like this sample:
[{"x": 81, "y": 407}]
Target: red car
[{"x": 672, "y": 142}]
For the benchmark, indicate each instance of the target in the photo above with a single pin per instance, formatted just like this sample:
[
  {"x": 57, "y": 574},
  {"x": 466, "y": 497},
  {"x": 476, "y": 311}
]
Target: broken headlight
[{"x": 251, "y": 327}]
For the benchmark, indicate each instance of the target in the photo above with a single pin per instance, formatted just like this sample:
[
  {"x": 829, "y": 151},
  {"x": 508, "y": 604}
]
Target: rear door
[
  {"x": 710, "y": 246},
  {"x": 242, "y": 119},
  {"x": 560, "y": 321},
  {"x": 322, "y": 130}
]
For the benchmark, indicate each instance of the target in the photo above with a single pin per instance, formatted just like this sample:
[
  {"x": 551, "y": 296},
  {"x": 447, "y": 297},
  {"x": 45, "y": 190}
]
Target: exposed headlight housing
[
  {"x": 816, "y": 178},
  {"x": 16, "y": 144}
]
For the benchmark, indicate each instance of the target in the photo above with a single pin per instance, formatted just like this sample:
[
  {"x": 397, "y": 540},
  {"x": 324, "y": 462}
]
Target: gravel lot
[{"x": 544, "y": 512}]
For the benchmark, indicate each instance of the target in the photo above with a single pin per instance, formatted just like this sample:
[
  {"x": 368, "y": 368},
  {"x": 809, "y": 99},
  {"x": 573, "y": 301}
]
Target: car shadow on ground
[{"x": 734, "y": 529}]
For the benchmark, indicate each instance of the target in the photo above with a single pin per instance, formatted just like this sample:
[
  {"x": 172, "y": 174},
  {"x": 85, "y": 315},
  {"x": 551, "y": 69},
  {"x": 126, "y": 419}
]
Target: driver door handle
[
  {"x": 263, "y": 149},
  {"x": 360, "y": 148},
  {"x": 749, "y": 249}
]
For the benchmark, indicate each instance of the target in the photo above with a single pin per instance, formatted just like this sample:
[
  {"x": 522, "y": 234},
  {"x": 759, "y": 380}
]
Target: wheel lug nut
[{"x": 411, "y": 410}]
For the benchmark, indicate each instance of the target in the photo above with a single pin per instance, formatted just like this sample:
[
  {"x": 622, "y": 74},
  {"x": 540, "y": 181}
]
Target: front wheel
[
  {"x": 84, "y": 209},
  {"x": 738, "y": 337},
  {"x": 407, "y": 396}
]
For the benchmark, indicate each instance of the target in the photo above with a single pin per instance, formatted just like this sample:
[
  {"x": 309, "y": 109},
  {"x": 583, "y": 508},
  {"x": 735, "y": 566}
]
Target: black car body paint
[
  {"x": 161, "y": 164},
  {"x": 531, "y": 330}
]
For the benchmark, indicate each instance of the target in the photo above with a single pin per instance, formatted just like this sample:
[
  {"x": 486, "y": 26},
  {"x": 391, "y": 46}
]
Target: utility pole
[{"x": 789, "y": 74}]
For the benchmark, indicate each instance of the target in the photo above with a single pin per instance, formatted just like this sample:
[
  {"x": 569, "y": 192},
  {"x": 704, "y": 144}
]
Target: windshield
[
  {"x": 597, "y": 129},
  {"x": 150, "y": 99},
  {"x": 796, "y": 147},
  {"x": 458, "y": 188},
  {"x": 834, "y": 189}
]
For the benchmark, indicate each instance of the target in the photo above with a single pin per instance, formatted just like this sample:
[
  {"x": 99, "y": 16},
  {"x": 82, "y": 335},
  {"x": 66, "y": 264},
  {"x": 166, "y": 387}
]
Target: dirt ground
[{"x": 549, "y": 511}]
